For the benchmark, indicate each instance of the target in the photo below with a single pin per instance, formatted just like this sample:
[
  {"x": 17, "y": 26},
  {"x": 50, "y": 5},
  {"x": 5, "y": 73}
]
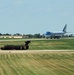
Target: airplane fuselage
[{"x": 56, "y": 34}]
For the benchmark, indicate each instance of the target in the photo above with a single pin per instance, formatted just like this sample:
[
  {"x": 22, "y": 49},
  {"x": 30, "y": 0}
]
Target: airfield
[
  {"x": 44, "y": 57},
  {"x": 36, "y": 51},
  {"x": 38, "y": 42},
  {"x": 38, "y": 62}
]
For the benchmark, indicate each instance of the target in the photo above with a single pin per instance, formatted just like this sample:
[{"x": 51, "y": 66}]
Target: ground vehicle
[{"x": 16, "y": 47}]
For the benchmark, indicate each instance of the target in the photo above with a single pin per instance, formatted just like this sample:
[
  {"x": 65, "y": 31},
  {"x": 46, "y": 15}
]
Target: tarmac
[{"x": 36, "y": 51}]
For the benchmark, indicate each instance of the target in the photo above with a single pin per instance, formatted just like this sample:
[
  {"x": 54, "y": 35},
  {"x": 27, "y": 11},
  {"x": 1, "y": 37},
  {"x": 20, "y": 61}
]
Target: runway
[{"x": 36, "y": 51}]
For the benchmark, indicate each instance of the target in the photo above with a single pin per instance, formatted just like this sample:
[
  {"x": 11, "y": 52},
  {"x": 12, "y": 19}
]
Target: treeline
[
  {"x": 38, "y": 35},
  {"x": 7, "y": 34},
  {"x": 35, "y": 36},
  {"x": 24, "y": 35}
]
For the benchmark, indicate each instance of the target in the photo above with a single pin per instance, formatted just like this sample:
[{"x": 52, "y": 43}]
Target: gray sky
[{"x": 36, "y": 16}]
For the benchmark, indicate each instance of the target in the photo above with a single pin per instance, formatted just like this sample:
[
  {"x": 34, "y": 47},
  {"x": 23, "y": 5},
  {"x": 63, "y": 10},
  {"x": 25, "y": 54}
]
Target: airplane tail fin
[{"x": 64, "y": 29}]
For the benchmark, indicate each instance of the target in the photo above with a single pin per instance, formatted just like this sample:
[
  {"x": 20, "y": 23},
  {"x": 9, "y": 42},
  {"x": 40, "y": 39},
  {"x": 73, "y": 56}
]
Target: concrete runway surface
[{"x": 36, "y": 51}]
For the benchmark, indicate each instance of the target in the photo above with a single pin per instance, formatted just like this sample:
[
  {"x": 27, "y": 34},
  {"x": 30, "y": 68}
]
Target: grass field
[
  {"x": 44, "y": 63},
  {"x": 39, "y": 62},
  {"x": 43, "y": 44}
]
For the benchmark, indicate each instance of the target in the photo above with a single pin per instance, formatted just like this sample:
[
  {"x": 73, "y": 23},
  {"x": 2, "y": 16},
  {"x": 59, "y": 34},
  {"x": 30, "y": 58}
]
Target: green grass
[
  {"x": 45, "y": 63},
  {"x": 52, "y": 44},
  {"x": 43, "y": 44}
]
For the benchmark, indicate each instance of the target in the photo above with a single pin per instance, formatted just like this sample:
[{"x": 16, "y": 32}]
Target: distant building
[
  {"x": 14, "y": 36},
  {"x": 11, "y": 36}
]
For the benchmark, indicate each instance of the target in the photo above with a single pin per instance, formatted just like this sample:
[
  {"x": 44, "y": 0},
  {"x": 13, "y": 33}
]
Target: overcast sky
[{"x": 36, "y": 16}]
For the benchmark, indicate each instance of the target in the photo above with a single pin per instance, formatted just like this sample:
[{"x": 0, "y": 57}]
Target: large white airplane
[{"x": 56, "y": 35}]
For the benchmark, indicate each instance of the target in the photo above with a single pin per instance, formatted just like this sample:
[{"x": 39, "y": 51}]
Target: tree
[
  {"x": 0, "y": 34},
  {"x": 37, "y": 36},
  {"x": 30, "y": 35}
]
